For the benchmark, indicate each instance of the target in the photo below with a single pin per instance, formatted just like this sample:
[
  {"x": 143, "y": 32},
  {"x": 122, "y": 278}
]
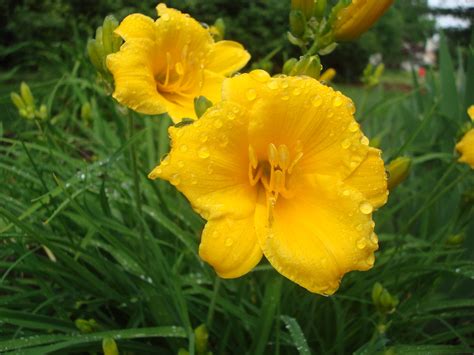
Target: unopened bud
[
  {"x": 201, "y": 334},
  {"x": 349, "y": 22},
  {"x": 104, "y": 43},
  {"x": 201, "y": 104},
  {"x": 455, "y": 240},
  {"x": 383, "y": 300},
  {"x": 288, "y": 66},
  {"x": 17, "y": 101},
  {"x": 218, "y": 30},
  {"x": 108, "y": 36},
  {"x": 398, "y": 170},
  {"x": 320, "y": 8},
  {"x": 307, "y": 7},
  {"x": 42, "y": 113},
  {"x": 109, "y": 346},
  {"x": 26, "y": 94},
  {"x": 307, "y": 65},
  {"x": 297, "y": 23},
  {"x": 328, "y": 75},
  {"x": 86, "y": 111}
]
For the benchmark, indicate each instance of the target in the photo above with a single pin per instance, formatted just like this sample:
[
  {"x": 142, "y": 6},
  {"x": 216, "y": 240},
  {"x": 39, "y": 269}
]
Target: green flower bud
[
  {"x": 455, "y": 240},
  {"x": 398, "y": 170},
  {"x": 108, "y": 36},
  {"x": 109, "y": 346},
  {"x": 307, "y": 65},
  {"x": 86, "y": 111},
  {"x": 288, "y": 66},
  {"x": 104, "y": 43},
  {"x": 297, "y": 23},
  {"x": 86, "y": 326},
  {"x": 17, "y": 101},
  {"x": 26, "y": 94},
  {"x": 201, "y": 334},
  {"x": 218, "y": 30},
  {"x": 307, "y": 7},
  {"x": 201, "y": 104},
  {"x": 383, "y": 300},
  {"x": 320, "y": 8},
  {"x": 42, "y": 113}
]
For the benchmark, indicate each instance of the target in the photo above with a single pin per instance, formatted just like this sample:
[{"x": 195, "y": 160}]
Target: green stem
[
  {"x": 212, "y": 305},
  {"x": 133, "y": 156}
]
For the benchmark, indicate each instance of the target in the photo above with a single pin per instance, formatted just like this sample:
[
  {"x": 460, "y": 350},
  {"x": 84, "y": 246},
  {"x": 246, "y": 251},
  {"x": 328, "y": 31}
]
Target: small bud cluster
[
  {"x": 25, "y": 103},
  {"x": 383, "y": 300}
]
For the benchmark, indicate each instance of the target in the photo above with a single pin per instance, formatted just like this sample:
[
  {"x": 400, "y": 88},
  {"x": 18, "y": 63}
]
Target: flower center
[
  {"x": 173, "y": 77},
  {"x": 273, "y": 173}
]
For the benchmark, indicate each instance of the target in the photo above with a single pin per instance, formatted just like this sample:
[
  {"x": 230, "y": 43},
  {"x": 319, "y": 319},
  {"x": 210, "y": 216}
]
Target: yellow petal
[
  {"x": 466, "y": 148},
  {"x": 313, "y": 239},
  {"x": 370, "y": 179},
  {"x": 470, "y": 112},
  {"x": 230, "y": 246},
  {"x": 303, "y": 114},
  {"x": 137, "y": 26},
  {"x": 227, "y": 57},
  {"x": 208, "y": 163},
  {"x": 133, "y": 71}
]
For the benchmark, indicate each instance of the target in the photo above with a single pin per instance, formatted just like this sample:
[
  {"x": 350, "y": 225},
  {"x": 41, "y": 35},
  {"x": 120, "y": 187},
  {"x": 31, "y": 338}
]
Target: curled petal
[
  {"x": 230, "y": 246},
  {"x": 227, "y": 57},
  {"x": 466, "y": 148},
  {"x": 137, "y": 26},
  {"x": 316, "y": 237},
  {"x": 370, "y": 178},
  {"x": 208, "y": 163}
]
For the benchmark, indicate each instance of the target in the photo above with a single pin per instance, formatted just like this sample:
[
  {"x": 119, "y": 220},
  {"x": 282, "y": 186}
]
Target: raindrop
[
  {"x": 228, "y": 242},
  {"x": 272, "y": 84},
  {"x": 366, "y": 208},
  {"x": 364, "y": 140},
  {"x": 361, "y": 243},
  {"x": 353, "y": 126},
  {"x": 175, "y": 179},
  {"x": 296, "y": 91},
  {"x": 203, "y": 153},
  {"x": 337, "y": 102},
  {"x": 251, "y": 94},
  {"x": 346, "y": 143},
  {"x": 218, "y": 123},
  {"x": 317, "y": 101},
  {"x": 183, "y": 148}
]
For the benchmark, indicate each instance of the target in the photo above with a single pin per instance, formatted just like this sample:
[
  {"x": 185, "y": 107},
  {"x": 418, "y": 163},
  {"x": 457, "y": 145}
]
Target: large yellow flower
[
  {"x": 358, "y": 17},
  {"x": 164, "y": 64},
  {"x": 280, "y": 168}
]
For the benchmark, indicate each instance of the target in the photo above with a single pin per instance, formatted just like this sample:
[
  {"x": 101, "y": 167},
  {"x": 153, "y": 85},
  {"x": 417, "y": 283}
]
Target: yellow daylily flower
[
  {"x": 358, "y": 17},
  {"x": 466, "y": 148},
  {"x": 280, "y": 168},
  {"x": 164, "y": 64}
]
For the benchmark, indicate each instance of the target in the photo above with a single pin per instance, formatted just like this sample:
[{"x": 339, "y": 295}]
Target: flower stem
[{"x": 133, "y": 157}]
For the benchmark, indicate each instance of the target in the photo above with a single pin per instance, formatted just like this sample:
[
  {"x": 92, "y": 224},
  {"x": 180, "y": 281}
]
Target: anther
[
  {"x": 284, "y": 156},
  {"x": 253, "y": 157},
  {"x": 272, "y": 155}
]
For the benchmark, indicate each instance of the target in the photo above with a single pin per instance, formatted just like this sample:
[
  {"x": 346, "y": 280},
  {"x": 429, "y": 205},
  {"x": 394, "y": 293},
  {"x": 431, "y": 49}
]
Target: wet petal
[
  {"x": 208, "y": 163},
  {"x": 137, "y": 26},
  {"x": 227, "y": 57},
  {"x": 230, "y": 246},
  {"x": 370, "y": 178},
  {"x": 135, "y": 86},
  {"x": 313, "y": 239},
  {"x": 306, "y": 116},
  {"x": 466, "y": 148}
]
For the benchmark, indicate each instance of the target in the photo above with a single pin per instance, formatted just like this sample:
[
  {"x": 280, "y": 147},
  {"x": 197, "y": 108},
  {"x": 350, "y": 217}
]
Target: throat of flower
[
  {"x": 173, "y": 79},
  {"x": 274, "y": 173}
]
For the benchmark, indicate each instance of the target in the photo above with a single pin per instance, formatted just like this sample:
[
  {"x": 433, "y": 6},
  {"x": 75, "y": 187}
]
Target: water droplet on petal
[
  {"x": 296, "y": 91},
  {"x": 251, "y": 94},
  {"x": 361, "y": 243},
  {"x": 364, "y": 140},
  {"x": 285, "y": 97},
  {"x": 203, "y": 153},
  {"x": 317, "y": 101},
  {"x": 373, "y": 238},
  {"x": 370, "y": 259},
  {"x": 218, "y": 123},
  {"x": 272, "y": 84},
  {"x": 183, "y": 148},
  {"x": 203, "y": 138},
  {"x": 228, "y": 242},
  {"x": 337, "y": 102},
  {"x": 175, "y": 179},
  {"x": 353, "y": 126},
  {"x": 346, "y": 143},
  {"x": 366, "y": 208},
  {"x": 165, "y": 17}
]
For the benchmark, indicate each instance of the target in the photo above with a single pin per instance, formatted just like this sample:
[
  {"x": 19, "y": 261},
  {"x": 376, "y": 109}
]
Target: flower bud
[
  {"x": 104, "y": 43},
  {"x": 320, "y": 8},
  {"x": 109, "y": 346},
  {"x": 201, "y": 334},
  {"x": 26, "y": 94},
  {"x": 470, "y": 112},
  {"x": 455, "y": 240},
  {"x": 356, "y": 18},
  {"x": 383, "y": 300},
  {"x": 218, "y": 30},
  {"x": 86, "y": 111},
  {"x": 307, "y": 65},
  {"x": 328, "y": 75},
  {"x": 18, "y": 101},
  {"x": 86, "y": 326},
  {"x": 201, "y": 104},
  {"x": 288, "y": 66},
  {"x": 42, "y": 113},
  {"x": 398, "y": 170},
  {"x": 297, "y": 23},
  {"x": 306, "y": 7}
]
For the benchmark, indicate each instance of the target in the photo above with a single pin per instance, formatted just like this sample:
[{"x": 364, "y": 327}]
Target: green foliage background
[{"x": 92, "y": 249}]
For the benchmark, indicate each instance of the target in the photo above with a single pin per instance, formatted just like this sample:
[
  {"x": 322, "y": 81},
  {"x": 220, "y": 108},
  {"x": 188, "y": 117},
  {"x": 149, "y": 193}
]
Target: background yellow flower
[
  {"x": 164, "y": 64},
  {"x": 280, "y": 168}
]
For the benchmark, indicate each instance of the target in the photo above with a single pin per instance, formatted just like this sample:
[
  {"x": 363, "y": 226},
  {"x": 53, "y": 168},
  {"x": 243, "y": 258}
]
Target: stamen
[
  {"x": 272, "y": 155},
  {"x": 293, "y": 163},
  {"x": 284, "y": 156},
  {"x": 253, "y": 157},
  {"x": 168, "y": 68}
]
